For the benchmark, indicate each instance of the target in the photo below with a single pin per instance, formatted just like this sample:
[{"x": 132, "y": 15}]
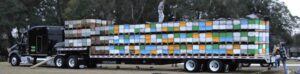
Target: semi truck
[{"x": 213, "y": 45}]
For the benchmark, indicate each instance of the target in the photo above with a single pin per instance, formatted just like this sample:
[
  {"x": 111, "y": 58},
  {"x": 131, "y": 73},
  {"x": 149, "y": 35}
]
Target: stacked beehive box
[
  {"x": 238, "y": 36},
  {"x": 78, "y": 32}
]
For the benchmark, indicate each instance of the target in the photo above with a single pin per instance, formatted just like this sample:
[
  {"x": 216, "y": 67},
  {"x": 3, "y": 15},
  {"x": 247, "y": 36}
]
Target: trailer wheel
[
  {"x": 60, "y": 61},
  {"x": 246, "y": 64},
  {"x": 73, "y": 62},
  {"x": 15, "y": 60},
  {"x": 216, "y": 66},
  {"x": 191, "y": 65}
]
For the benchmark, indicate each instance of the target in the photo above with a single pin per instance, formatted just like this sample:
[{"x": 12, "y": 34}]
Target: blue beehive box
[
  {"x": 122, "y": 51},
  {"x": 202, "y": 25},
  {"x": 164, "y": 36},
  {"x": 208, "y": 51},
  {"x": 177, "y": 52},
  {"x": 229, "y": 39},
  {"x": 153, "y": 30},
  {"x": 208, "y": 28},
  {"x": 116, "y": 41},
  {"x": 164, "y": 51},
  {"x": 126, "y": 26},
  {"x": 222, "y": 51},
  {"x": 145, "y": 51},
  {"x": 182, "y": 35},
  {"x": 244, "y": 21},
  {"x": 196, "y": 51},
  {"x": 126, "y": 41},
  {"x": 111, "y": 47},
  {"x": 223, "y": 39}
]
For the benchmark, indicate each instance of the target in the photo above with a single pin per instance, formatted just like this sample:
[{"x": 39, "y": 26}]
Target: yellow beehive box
[
  {"x": 208, "y": 23},
  {"x": 165, "y": 40},
  {"x": 229, "y": 51},
  {"x": 171, "y": 47},
  {"x": 153, "y": 52},
  {"x": 182, "y": 24},
  {"x": 236, "y": 46},
  {"x": 208, "y": 35},
  {"x": 176, "y": 46},
  {"x": 136, "y": 51},
  {"x": 147, "y": 25},
  {"x": 190, "y": 47},
  {"x": 170, "y": 40},
  {"x": 202, "y": 47},
  {"x": 216, "y": 39},
  {"x": 164, "y": 29},
  {"x": 176, "y": 29},
  {"x": 171, "y": 51},
  {"x": 195, "y": 35}
]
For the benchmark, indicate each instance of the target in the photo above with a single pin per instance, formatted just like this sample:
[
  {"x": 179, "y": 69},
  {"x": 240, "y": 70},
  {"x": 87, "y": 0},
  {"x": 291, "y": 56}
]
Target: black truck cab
[
  {"x": 41, "y": 39},
  {"x": 36, "y": 42}
]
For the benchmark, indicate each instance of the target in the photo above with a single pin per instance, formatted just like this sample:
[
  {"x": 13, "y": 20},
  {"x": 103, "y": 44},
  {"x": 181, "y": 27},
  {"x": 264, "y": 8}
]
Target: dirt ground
[{"x": 6, "y": 68}]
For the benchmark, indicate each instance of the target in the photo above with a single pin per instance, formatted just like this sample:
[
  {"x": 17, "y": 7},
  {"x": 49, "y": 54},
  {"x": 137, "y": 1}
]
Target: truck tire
[
  {"x": 60, "y": 61},
  {"x": 191, "y": 65},
  {"x": 15, "y": 60},
  {"x": 216, "y": 66},
  {"x": 73, "y": 62},
  {"x": 246, "y": 64}
]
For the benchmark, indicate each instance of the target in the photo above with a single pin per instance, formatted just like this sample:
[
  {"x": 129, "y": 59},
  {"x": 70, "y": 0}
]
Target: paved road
[{"x": 5, "y": 68}]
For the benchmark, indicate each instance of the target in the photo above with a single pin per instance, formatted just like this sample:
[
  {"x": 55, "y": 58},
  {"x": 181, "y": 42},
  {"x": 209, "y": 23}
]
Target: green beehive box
[
  {"x": 256, "y": 21},
  {"x": 170, "y": 28},
  {"x": 244, "y": 34},
  {"x": 260, "y": 46},
  {"x": 195, "y": 28},
  {"x": 126, "y": 36},
  {"x": 111, "y": 31},
  {"x": 215, "y": 35},
  {"x": 152, "y": 25},
  {"x": 251, "y": 38},
  {"x": 176, "y": 35},
  {"x": 142, "y": 47},
  {"x": 252, "y": 51},
  {"x": 183, "y": 47},
  {"x": 237, "y": 26},
  {"x": 222, "y": 34},
  {"x": 252, "y": 21},
  {"x": 117, "y": 47},
  {"x": 137, "y": 30},
  {"x": 229, "y": 34},
  {"x": 158, "y": 36},
  {"x": 189, "y": 35},
  {"x": 122, "y": 47},
  {"x": 215, "y": 46}
]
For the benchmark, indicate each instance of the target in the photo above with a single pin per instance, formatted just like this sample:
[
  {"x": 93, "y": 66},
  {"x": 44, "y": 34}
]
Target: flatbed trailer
[{"x": 74, "y": 56}]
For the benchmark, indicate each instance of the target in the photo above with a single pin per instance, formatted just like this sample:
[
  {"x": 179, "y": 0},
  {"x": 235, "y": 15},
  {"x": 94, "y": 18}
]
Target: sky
[{"x": 294, "y": 7}]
